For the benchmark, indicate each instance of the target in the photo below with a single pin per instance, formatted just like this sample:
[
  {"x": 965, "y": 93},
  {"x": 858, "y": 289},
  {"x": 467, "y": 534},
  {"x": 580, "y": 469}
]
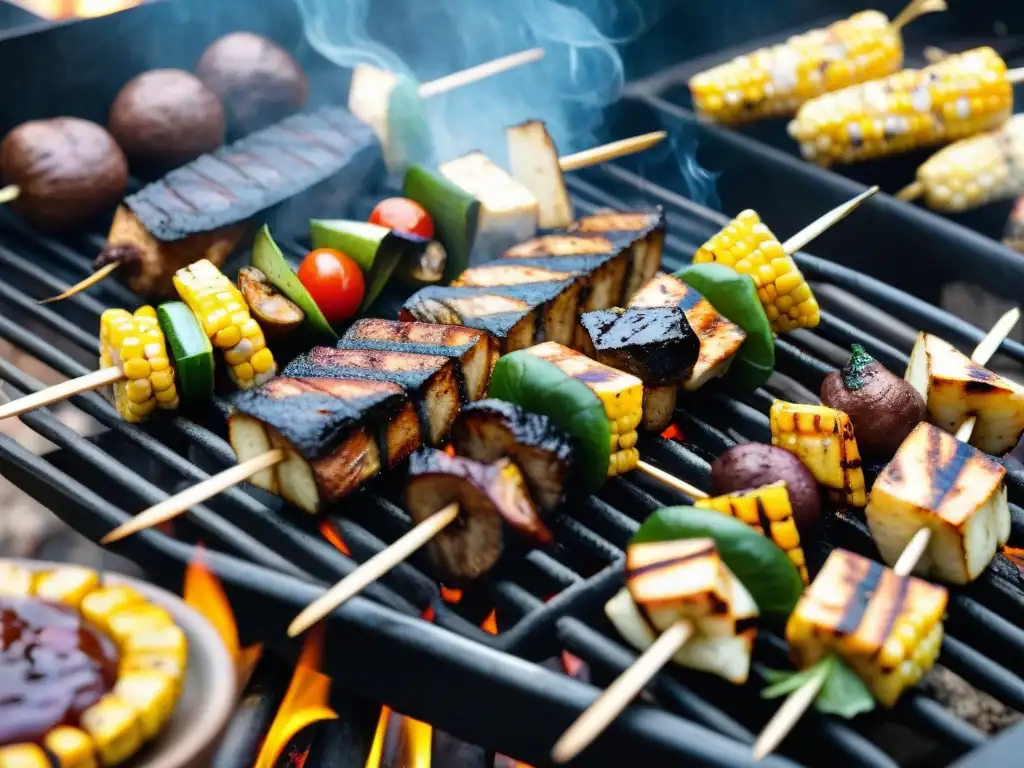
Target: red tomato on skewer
[
  {"x": 403, "y": 215},
  {"x": 334, "y": 281}
]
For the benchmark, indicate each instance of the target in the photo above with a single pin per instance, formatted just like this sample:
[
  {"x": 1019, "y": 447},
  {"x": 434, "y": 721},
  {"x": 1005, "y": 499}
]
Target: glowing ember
[
  {"x": 574, "y": 666},
  {"x": 331, "y": 534},
  {"x": 1015, "y": 556},
  {"x": 449, "y": 450},
  {"x": 304, "y": 703},
  {"x": 490, "y": 624},
  {"x": 452, "y": 596},
  {"x": 69, "y": 9},
  {"x": 673, "y": 432}
]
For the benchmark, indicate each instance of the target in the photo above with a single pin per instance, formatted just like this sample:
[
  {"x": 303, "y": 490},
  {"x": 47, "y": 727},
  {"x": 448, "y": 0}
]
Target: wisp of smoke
[
  {"x": 701, "y": 184},
  {"x": 581, "y": 73}
]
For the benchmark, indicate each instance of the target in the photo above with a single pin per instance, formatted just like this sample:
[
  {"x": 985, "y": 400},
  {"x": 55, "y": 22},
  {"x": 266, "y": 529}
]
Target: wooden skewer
[
  {"x": 9, "y": 193},
  {"x": 88, "y": 282},
  {"x": 479, "y": 72},
  {"x": 61, "y": 391},
  {"x": 617, "y": 696},
  {"x": 671, "y": 481},
  {"x": 818, "y": 226},
  {"x": 933, "y": 54},
  {"x": 915, "y": 10},
  {"x": 610, "y": 151},
  {"x": 910, "y": 192},
  {"x": 373, "y": 569},
  {"x": 1015, "y": 76},
  {"x": 800, "y": 700}
]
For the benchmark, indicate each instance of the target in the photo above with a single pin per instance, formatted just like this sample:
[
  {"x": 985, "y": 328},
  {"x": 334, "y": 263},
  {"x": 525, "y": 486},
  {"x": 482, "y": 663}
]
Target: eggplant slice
[
  {"x": 494, "y": 429},
  {"x": 657, "y": 345},
  {"x": 492, "y": 499}
]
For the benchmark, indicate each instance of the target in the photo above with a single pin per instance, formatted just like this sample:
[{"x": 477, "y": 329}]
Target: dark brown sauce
[{"x": 53, "y": 666}]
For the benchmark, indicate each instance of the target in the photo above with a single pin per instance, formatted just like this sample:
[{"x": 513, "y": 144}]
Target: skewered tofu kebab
[
  {"x": 973, "y": 172},
  {"x": 775, "y": 81},
  {"x": 961, "y": 96}
]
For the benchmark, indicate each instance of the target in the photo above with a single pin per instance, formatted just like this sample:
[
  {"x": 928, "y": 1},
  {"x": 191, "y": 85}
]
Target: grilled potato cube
[
  {"x": 822, "y": 438},
  {"x": 114, "y": 727},
  {"x": 71, "y": 747},
  {"x": 955, "y": 387},
  {"x": 153, "y": 695},
  {"x": 886, "y": 627},
  {"x": 684, "y": 578},
  {"x": 768, "y": 511},
  {"x": 15, "y": 581},
  {"x": 66, "y": 585},
  {"x": 99, "y": 605},
  {"x": 23, "y": 756},
  {"x": 941, "y": 483}
]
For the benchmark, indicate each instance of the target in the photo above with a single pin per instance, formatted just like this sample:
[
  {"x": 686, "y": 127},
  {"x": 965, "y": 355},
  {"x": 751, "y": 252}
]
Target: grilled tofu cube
[
  {"x": 955, "y": 387},
  {"x": 494, "y": 429},
  {"x": 508, "y": 210},
  {"x": 719, "y": 338},
  {"x": 642, "y": 233},
  {"x": 475, "y": 351},
  {"x": 535, "y": 165},
  {"x": 656, "y": 345},
  {"x": 330, "y": 431},
  {"x": 492, "y": 500},
  {"x": 686, "y": 579},
  {"x": 429, "y": 380},
  {"x": 936, "y": 481},
  {"x": 822, "y": 438},
  {"x": 888, "y": 628},
  {"x": 620, "y": 393},
  {"x": 768, "y": 511},
  {"x": 515, "y": 315}
]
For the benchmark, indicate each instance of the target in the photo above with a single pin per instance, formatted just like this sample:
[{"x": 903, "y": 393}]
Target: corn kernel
[
  {"x": 243, "y": 372},
  {"x": 139, "y": 390},
  {"x": 262, "y": 361},
  {"x": 227, "y": 337}
]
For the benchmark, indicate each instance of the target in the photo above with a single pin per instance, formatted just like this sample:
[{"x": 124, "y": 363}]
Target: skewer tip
[
  {"x": 88, "y": 282},
  {"x": 826, "y": 221}
]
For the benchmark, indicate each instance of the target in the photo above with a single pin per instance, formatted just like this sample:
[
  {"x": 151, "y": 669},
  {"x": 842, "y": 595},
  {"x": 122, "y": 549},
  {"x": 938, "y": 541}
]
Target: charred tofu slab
[
  {"x": 493, "y": 503},
  {"x": 822, "y": 438},
  {"x": 517, "y": 315},
  {"x": 719, "y": 338},
  {"x": 888, "y": 628},
  {"x": 491, "y": 430},
  {"x": 475, "y": 351},
  {"x": 686, "y": 579},
  {"x": 936, "y": 481},
  {"x": 955, "y": 388},
  {"x": 431, "y": 380},
  {"x": 336, "y": 434},
  {"x": 642, "y": 233},
  {"x": 535, "y": 164}
]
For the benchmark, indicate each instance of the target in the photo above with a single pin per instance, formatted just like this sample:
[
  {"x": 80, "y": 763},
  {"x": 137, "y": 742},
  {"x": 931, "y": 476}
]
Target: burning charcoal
[{"x": 655, "y": 345}]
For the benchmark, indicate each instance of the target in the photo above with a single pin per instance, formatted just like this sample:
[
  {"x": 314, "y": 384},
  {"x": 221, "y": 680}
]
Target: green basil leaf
[
  {"x": 764, "y": 569},
  {"x": 843, "y": 693},
  {"x": 541, "y": 387},
  {"x": 785, "y": 681},
  {"x": 734, "y": 296}
]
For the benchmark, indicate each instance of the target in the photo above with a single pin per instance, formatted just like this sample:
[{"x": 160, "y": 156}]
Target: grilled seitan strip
[
  {"x": 430, "y": 380},
  {"x": 492, "y": 499},
  {"x": 494, "y": 429},
  {"x": 315, "y": 163},
  {"x": 642, "y": 233},
  {"x": 476, "y": 351},
  {"x": 337, "y": 434}
]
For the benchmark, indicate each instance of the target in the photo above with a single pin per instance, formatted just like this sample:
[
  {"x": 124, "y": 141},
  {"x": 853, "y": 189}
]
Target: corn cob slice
[
  {"x": 886, "y": 627},
  {"x": 135, "y": 343},
  {"x": 222, "y": 311},
  {"x": 72, "y": 747},
  {"x": 768, "y": 511},
  {"x": 822, "y": 438},
  {"x": 774, "y": 81},
  {"x": 621, "y": 394},
  {"x": 23, "y": 756},
  {"x": 1014, "y": 235},
  {"x": 748, "y": 246},
  {"x": 958, "y": 97},
  {"x": 974, "y": 171}
]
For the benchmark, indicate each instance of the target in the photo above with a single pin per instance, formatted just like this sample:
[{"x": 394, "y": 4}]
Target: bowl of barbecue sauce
[{"x": 100, "y": 669}]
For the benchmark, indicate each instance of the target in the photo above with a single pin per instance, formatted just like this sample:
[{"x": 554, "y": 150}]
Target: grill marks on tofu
[
  {"x": 430, "y": 379},
  {"x": 642, "y": 233},
  {"x": 941, "y": 483},
  {"x": 656, "y": 345}
]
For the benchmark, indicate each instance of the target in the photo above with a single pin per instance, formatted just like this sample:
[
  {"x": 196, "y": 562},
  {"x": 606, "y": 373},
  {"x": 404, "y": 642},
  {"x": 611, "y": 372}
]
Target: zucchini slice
[
  {"x": 191, "y": 349},
  {"x": 455, "y": 214}
]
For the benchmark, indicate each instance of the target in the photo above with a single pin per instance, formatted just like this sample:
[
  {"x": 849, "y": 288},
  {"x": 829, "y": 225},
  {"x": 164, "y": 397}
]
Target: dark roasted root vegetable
[
  {"x": 276, "y": 313},
  {"x": 492, "y": 500},
  {"x": 883, "y": 407},
  {"x": 655, "y": 345},
  {"x": 936, "y": 481},
  {"x": 68, "y": 171},
  {"x": 753, "y": 465},
  {"x": 493, "y": 429},
  {"x": 886, "y": 627}
]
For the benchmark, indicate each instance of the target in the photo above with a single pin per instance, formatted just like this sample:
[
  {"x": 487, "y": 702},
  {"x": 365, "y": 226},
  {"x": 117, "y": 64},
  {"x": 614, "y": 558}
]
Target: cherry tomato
[
  {"x": 403, "y": 215},
  {"x": 334, "y": 281}
]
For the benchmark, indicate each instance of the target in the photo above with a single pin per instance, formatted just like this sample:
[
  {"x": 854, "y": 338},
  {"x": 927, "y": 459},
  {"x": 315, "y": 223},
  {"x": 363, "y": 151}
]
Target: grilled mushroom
[
  {"x": 493, "y": 429},
  {"x": 492, "y": 498}
]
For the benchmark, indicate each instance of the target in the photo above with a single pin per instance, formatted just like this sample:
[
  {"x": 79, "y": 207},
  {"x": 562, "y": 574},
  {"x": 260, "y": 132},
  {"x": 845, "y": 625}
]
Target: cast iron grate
[{"x": 492, "y": 689}]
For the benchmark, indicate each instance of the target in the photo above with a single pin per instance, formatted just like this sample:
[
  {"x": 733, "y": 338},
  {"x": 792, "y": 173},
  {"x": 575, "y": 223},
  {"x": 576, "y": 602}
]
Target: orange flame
[
  {"x": 67, "y": 9},
  {"x": 304, "y": 703},
  {"x": 673, "y": 432},
  {"x": 332, "y": 535},
  {"x": 411, "y": 747},
  {"x": 1015, "y": 556},
  {"x": 450, "y": 450},
  {"x": 204, "y": 593},
  {"x": 449, "y": 595},
  {"x": 490, "y": 624}
]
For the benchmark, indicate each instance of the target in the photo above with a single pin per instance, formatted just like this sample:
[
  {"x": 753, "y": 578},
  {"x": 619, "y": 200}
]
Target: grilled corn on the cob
[
  {"x": 960, "y": 96},
  {"x": 822, "y": 438},
  {"x": 774, "y": 81},
  {"x": 748, "y": 246},
  {"x": 886, "y": 627},
  {"x": 620, "y": 393},
  {"x": 768, "y": 511},
  {"x": 135, "y": 343},
  {"x": 222, "y": 311}
]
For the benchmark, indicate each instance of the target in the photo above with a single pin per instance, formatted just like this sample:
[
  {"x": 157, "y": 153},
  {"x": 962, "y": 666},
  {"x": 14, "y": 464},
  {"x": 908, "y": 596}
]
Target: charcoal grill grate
[{"x": 273, "y": 561}]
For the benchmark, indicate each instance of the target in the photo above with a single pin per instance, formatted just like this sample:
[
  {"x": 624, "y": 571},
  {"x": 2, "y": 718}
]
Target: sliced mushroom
[{"x": 277, "y": 315}]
